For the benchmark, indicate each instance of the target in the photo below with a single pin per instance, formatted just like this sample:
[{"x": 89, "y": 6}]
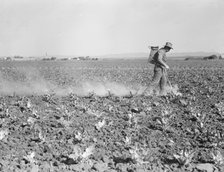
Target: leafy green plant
[{"x": 184, "y": 157}]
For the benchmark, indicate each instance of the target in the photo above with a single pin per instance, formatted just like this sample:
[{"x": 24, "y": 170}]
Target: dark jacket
[{"x": 160, "y": 58}]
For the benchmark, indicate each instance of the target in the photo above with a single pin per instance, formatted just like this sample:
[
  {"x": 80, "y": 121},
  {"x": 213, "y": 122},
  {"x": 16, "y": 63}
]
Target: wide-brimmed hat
[{"x": 168, "y": 44}]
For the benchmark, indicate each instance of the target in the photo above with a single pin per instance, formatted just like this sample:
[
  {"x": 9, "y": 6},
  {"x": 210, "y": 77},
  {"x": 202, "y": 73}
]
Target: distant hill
[
  {"x": 196, "y": 54},
  {"x": 180, "y": 55}
]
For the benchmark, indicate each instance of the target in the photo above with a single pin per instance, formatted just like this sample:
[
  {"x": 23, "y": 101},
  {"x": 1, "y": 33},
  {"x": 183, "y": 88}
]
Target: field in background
[
  {"x": 64, "y": 77},
  {"x": 80, "y": 116}
]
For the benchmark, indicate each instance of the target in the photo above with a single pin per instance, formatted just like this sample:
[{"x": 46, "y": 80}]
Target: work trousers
[{"x": 159, "y": 77}]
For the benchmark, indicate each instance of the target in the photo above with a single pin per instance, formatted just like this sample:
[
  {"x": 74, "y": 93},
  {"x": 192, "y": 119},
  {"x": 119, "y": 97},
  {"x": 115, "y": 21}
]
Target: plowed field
[{"x": 84, "y": 116}]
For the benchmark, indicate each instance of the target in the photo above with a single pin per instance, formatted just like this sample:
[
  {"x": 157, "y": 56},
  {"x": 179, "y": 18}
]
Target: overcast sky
[{"x": 97, "y": 27}]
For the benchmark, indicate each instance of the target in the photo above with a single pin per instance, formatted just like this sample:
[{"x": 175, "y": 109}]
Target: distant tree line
[
  {"x": 74, "y": 58},
  {"x": 211, "y": 57},
  {"x": 84, "y": 58},
  {"x": 49, "y": 59}
]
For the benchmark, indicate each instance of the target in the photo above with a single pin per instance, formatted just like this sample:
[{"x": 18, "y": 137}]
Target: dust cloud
[
  {"x": 34, "y": 84},
  {"x": 44, "y": 87}
]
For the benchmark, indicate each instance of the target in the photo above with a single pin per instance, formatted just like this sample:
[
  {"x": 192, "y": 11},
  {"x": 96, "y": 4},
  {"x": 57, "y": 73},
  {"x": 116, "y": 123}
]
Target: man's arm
[{"x": 160, "y": 60}]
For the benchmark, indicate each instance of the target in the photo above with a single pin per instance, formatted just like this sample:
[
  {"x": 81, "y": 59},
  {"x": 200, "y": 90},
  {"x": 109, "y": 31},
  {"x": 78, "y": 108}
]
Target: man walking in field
[{"x": 160, "y": 70}]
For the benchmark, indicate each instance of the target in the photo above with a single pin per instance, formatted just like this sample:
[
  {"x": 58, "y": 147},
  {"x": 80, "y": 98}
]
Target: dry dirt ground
[{"x": 47, "y": 125}]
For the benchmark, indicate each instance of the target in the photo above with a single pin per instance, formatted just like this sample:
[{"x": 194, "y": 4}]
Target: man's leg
[
  {"x": 155, "y": 80},
  {"x": 163, "y": 82}
]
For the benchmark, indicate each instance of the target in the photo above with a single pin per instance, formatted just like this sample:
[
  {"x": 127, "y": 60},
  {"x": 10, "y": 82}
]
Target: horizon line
[{"x": 108, "y": 54}]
